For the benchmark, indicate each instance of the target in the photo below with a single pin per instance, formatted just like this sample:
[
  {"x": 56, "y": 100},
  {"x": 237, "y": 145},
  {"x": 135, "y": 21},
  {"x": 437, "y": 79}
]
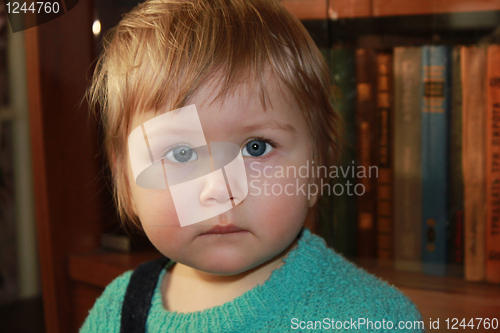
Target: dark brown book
[
  {"x": 367, "y": 166},
  {"x": 385, "y": 108}
]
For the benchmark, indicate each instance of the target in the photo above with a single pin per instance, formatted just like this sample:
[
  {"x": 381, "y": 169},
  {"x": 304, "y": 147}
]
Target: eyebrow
[
  {"x": 160, "y": 131},
  {"x": 273, "y": 124}
]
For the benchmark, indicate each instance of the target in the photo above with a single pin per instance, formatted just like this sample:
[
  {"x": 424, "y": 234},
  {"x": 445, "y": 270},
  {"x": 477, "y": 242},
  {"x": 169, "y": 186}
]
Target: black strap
[{"x": 135, "y": 308}]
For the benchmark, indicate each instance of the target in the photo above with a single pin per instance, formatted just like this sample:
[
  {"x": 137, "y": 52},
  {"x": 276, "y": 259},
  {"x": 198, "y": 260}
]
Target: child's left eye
[
  {"x": 182, "y": 154},
  {"x": 256, "y": 148}
]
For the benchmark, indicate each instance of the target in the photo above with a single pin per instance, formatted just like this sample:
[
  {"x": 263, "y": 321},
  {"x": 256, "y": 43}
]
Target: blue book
[{"x": 436, "y": 81}]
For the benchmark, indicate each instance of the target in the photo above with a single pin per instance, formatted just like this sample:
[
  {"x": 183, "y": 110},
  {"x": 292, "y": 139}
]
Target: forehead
[{"x": 252, "y": 101}]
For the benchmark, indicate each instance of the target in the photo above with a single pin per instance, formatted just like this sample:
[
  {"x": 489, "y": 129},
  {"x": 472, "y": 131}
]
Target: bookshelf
[
  {"x": 72, "y": 211},
  {"x": 358, "y": 28}
]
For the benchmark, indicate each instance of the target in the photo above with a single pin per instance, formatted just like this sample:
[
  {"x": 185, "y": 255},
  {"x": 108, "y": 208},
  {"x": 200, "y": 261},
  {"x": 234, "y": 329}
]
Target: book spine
[
  {"x": 493, "y": 166},
  {"x": 384, "y": 181},
  {"x": 366, "y": 161},
  {"x": 322, "y": 224},
  {"x": 473, "y": 60},
  {"x": 342, "y": 66},
  {"x": 456, "y": 194},
  {"x": 407, "y": 165},
  {"x": 435, "y": 110}
]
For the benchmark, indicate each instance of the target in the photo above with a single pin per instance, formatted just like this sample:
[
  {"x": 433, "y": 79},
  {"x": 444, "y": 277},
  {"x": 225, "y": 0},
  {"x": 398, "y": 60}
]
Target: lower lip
[{"x": 225, "y": 233}]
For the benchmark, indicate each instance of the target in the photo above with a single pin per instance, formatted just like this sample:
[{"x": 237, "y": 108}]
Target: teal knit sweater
[{"x": 315, "y": 289}]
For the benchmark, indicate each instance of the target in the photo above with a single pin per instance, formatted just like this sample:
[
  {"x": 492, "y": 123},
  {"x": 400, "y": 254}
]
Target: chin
[{"x": 228, "y": 266}]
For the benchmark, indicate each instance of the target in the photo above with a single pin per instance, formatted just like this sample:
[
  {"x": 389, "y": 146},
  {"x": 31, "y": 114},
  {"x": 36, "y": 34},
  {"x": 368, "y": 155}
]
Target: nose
[
  {"x": 215, "y": 190},
  {"x": 237, "y": 186}
]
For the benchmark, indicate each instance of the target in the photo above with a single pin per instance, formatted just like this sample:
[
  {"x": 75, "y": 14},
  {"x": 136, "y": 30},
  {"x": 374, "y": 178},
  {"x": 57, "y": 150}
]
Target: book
[
  {"x": 366, "y": 129},
  {"x": 436, "y": 60},
  {"x": 407, "y": 193},
  {"x": 384, "y": 181},
  {"x": 493, "y": 165},
  {"x": 323, "y": 224},
  {"x": 473, "y": 60},
  {"x": 456, "y": 193},
  {"x": 342, "y": 67}
]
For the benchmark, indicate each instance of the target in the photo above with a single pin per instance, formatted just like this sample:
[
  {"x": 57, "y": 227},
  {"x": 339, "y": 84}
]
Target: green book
[
  {"x": 407, "y": 158},
  {"x": 342, "y": 67}
]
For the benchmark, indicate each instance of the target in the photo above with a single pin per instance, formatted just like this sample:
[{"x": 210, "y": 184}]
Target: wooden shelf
[
  {"x": 435, "y": 296},
  {"x": 307, "y": 10},
  {"x": 342, "y": 9},
  {"x": 420, "y": 7},
  {"x": 100, "y": 268},
  {"x": 419, "y": 280},
  {"x": 442, "y": 296},
  {"x": 90, "y": 273},
  {"x": 455, "y": 28}
]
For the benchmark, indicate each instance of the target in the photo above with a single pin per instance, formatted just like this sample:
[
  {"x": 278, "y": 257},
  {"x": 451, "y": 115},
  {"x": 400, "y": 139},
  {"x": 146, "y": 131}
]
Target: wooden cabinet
[{"x": 70, "y": 195}]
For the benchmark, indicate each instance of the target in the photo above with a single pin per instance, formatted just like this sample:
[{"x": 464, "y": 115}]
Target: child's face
[{"x": 277, "y": 137}]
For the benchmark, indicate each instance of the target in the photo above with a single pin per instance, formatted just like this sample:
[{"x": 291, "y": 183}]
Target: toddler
[{"x": 210, "y": 110}]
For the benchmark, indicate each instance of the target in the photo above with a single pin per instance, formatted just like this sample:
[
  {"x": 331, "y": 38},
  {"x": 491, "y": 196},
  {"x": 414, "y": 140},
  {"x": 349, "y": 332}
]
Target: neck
[{"x": 186, "y": 289}]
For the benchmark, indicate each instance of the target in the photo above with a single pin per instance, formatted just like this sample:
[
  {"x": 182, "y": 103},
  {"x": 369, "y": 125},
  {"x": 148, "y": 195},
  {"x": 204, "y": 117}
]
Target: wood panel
[
  {"x": 349, "y": 9},
  {"x": 323, "y": 9},
  {"x": 442, "y": 305},
  {"x": 405, "y": 7},
  {"x": 91, "y": 273},
  {"x": 99, "y": 269},
  {"x": 83, "y": 299},
  {"x": 419, "y": 280},
  {"x": 307, "y": 9},
  {"x": 66, "y": 161}
]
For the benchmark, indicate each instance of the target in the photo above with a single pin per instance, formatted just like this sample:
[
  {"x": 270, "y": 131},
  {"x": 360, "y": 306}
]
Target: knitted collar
[{"x": 283, "y": 287}]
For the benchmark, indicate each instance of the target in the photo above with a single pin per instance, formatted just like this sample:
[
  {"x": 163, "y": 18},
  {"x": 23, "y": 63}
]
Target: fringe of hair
[{"x": 163, "y": 50}]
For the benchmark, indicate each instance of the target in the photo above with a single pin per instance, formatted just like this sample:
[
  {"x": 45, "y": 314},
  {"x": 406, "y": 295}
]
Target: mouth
[{"x": 223, "y": 230}]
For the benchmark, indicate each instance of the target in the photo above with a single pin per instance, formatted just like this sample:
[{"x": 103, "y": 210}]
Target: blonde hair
[{"x": 163, "y": 50}]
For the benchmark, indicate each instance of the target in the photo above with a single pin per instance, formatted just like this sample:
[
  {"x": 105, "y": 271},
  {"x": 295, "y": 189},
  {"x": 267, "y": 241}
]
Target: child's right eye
[{"x": 182, "y": 154}]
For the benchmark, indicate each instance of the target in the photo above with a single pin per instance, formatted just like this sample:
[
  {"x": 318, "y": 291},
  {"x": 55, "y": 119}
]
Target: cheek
[
  {"x": 155, "y": 208},
  {"x": 281, "y": 201},
  {"x": 159, "y": 220}
]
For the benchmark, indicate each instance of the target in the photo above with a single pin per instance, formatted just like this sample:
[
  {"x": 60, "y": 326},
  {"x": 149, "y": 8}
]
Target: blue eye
[
  {"x": 256, "y": 148},
  {"x": 182, "y": 154}
]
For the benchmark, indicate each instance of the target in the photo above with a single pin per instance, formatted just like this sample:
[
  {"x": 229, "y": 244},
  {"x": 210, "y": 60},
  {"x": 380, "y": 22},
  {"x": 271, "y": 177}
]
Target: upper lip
[{"x": 223, "y": 229}]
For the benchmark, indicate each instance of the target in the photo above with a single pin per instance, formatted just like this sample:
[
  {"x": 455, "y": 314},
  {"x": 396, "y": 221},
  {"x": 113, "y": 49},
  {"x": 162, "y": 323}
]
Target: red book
[
  {"x": 493, "y": 166},
  {"x": 474, "y": 159}
]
